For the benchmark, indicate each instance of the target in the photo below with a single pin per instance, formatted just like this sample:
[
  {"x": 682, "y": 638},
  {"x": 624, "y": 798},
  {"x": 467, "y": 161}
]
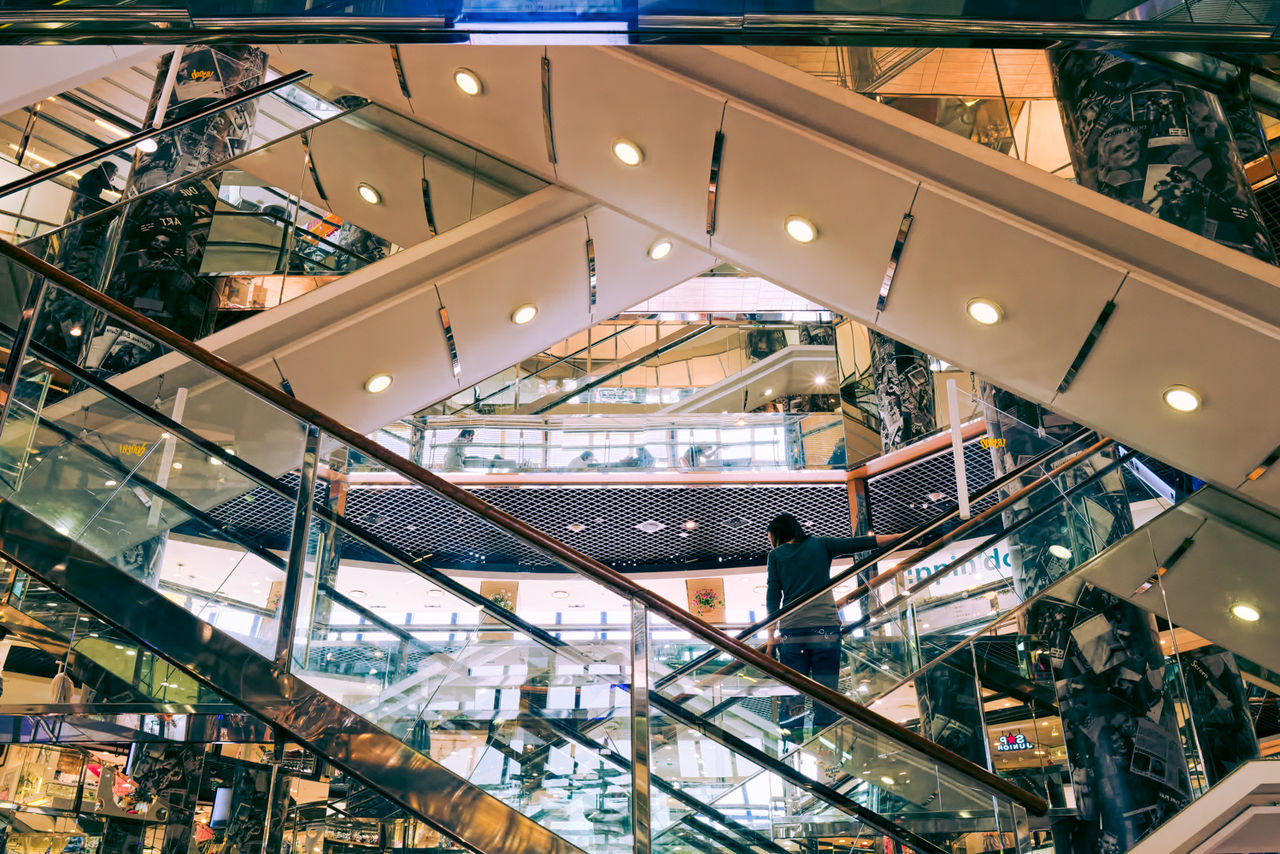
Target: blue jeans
[{"x": 812, "y": 651}]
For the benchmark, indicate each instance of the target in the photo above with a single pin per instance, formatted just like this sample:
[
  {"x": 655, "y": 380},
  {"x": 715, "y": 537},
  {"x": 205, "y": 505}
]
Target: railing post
[
  {"x": 21, "y": 338},
  {"x": 640, "y": 826},
  {"x": 297, "y": 551}
]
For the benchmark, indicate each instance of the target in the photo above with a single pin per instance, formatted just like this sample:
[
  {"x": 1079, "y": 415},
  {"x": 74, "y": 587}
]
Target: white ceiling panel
[
  {"x": 599, "y": 96},
  {"x": 1160, "y": 337},
  {"x": 957, "y": 250},
  {"x": 771, "y": 172}
]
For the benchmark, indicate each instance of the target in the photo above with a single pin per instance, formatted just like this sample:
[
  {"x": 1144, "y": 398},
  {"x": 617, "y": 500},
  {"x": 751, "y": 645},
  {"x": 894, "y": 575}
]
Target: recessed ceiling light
[
  {"x": 628, "y": 152},
  {"x": 214, "y": 461},
  {"x": 1182, "y": 398},
  {"x": 985, "y": 311},
  {"x": 356, "y": 594},
  {"x": 660, "y": 249},
  {"x": 1060, "y": 551},
  {"x": 690, "y": 524},
  {"x": 468, "y": 81},
  {"x": 768, "y": 392},
  {"x": 76, "y": 331},
  {"x": 800, "y": 229},
  {"x": 377, "y": 383},
  {"x": 559, "y": 594},
  {"x": 109, "y": 483},
  {"x": 888, "y": 781},
  {"x": 369, "y": 193},
  {"x": 524, "y": 314},
  {"x": 177, "y": 465},
  {"x": 820, "y": 380},
  {"x": 1246, "y": 612},
  {"x": 148, "y": 146}
]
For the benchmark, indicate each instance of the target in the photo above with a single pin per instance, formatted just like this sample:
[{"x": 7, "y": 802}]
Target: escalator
[{"x": 106, "y": 494}]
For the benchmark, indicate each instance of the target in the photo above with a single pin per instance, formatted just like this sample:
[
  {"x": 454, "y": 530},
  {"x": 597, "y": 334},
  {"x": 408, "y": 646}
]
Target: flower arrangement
[
  {"x": 706, "y": 599},
  {"x": 503, "y": 600}
]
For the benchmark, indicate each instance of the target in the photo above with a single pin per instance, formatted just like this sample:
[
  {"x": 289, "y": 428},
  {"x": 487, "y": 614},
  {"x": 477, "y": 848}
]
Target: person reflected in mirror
[
  {"x": 641, "y": 459},
  {"x": 808, "y": 639},
  {"x": 583, "y": 462},
  {"x": 700, "y": 456},
  {"x": 455, "y": 459}
]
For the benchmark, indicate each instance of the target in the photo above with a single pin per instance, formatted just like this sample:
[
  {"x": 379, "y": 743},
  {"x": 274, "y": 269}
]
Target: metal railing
[{"x": 643, "y": 600}]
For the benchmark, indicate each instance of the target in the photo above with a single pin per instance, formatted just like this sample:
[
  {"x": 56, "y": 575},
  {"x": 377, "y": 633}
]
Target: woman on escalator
[{"x": 807, "y": 639}]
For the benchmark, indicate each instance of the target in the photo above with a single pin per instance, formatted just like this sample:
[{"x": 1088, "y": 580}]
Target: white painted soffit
[{"x": 1052, "y": 253}]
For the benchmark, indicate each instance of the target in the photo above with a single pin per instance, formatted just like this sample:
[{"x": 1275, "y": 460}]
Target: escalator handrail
[
  {"x": 132, "y": 140},
  {"x": 587, "y": 566},
  {"x": 254, "y": 474},
  {"x": 560, "y": 360},
  {"x": 882, "y": 553},
  {"x": 122, "y": 203}
]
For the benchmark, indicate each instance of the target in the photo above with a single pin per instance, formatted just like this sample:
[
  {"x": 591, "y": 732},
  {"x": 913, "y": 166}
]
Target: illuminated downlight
[
  {"x": 1182, "y": 398},
  {"x": 801, "y": 230},
  {"x": 377, "y": 383},
  {"x": 628, "y": 152},
  {"x": 468, "y": 81},
  {"x": 660, "y": 249},
  {"x": 985, "y": 311},
  {"x": 369, "y": 194},
  {"x": 1246, "y": 612},
  {"x": 148, "y": 146},
  {"x": 1061, "y": 552},
  {"x": 524, "y": 314}
]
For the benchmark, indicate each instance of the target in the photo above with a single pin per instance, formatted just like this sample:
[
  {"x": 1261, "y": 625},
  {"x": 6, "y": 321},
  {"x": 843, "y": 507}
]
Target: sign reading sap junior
[
  {"x": 988, "y": 566},
  {"x": 1013, "y": 741}
]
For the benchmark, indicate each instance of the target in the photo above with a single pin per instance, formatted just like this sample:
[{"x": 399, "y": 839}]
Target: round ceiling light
[
  {"x": 524, "y": 314},
  {"x": 369, "y": 194},
  {"x": 690, "y": 524},
  {"x": 559, "y": 594},
  {"x": 768, "y": 392},
  {"x": 1246, "y": 612},
  {"x": 800, "y": 229},
  {"x": 660, "y": 249},
  {"x": 147, "y": 146},
  {"x": 1061, "y": 552},
  {"x": 820, "y": 380},
  {"x": 627, "y": 152},
  {"x": 377, "y": 383},
  {"x": 468, "y": 81},
  {"x": 1182, "y": 398},
  {"x": 76, "y": 331},
  {"x": 984, "y": 311}
]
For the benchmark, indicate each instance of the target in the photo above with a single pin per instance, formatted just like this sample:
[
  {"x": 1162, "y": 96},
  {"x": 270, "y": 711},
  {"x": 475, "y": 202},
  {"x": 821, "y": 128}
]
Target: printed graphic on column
[
  {"x": 156, "y": 269},
  {"x": 1219, "y": 709},
  {"x": 1157, "y": 145},
  {"x": 904, "y": 392}
]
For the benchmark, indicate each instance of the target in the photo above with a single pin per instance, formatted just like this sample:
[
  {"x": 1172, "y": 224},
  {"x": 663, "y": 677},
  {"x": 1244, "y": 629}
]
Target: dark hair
[
  {"x": 786, "y": 528},
  {"x": 468, "y": 433}
]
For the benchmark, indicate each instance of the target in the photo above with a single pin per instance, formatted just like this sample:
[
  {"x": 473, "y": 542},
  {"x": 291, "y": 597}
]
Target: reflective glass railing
[
  {"x": 619, "y": 443},
  {"x": 558, "y": 730},
  {"x": 1149, "y": 651},
  {"x": 75, "y": 178},
  {"x": 205, "y": 250}
]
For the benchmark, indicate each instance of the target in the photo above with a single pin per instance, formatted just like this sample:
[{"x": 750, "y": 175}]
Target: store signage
[
  {"x": 989, "y": 442},
  {"x": 1013, "y": 742},
  {"x": 137, "y": 448}
]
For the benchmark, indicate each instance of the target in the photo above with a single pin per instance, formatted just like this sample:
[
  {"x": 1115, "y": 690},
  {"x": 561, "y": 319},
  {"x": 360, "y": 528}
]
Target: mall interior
[{"x": 418, "y": 417}]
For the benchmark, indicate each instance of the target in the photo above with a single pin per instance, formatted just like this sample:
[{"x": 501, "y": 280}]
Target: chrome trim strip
[
  {"x": 1087, "y": 347},
  {"x": 894, "y": 257},
  {"x": 971, "y": 27},
  {"x": 395, "y": 60},
  {"x": 1261, "y": 468},
  {"x": 591, "y": 276},
  {"x": 1174, "y": 556},
  {"x": 547, "y": 129},
  {"x": 311, "y": 166},
  {"x": 449, "y": 340},
  {"x": 713, "y": 185},
  {"x": 32, "y": 114},
  {"x": 99, "y": 15},
  {"x": 299, "y": 536},
  {"x": 427, "y": 209},
  {"x": 641, "y": 828},
  {"x": 448, "y": 803},
  {"x": 21, "y": 341}
]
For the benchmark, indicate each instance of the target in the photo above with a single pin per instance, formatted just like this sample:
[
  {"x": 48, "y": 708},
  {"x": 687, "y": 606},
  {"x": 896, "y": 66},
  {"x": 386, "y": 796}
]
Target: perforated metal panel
[
  {"x": 899, "y": 500},
  {"x": 608, "y": 523}
]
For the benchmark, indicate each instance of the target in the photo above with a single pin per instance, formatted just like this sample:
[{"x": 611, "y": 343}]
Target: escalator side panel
[{"x": 413, "y": 780}]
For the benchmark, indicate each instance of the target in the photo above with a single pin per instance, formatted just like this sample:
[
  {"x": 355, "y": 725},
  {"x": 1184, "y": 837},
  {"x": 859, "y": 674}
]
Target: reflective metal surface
[
  {"x": 444, "y": 800},
  {"x": 641, "y": 830},
  {"x": 297, "y": 550}
]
